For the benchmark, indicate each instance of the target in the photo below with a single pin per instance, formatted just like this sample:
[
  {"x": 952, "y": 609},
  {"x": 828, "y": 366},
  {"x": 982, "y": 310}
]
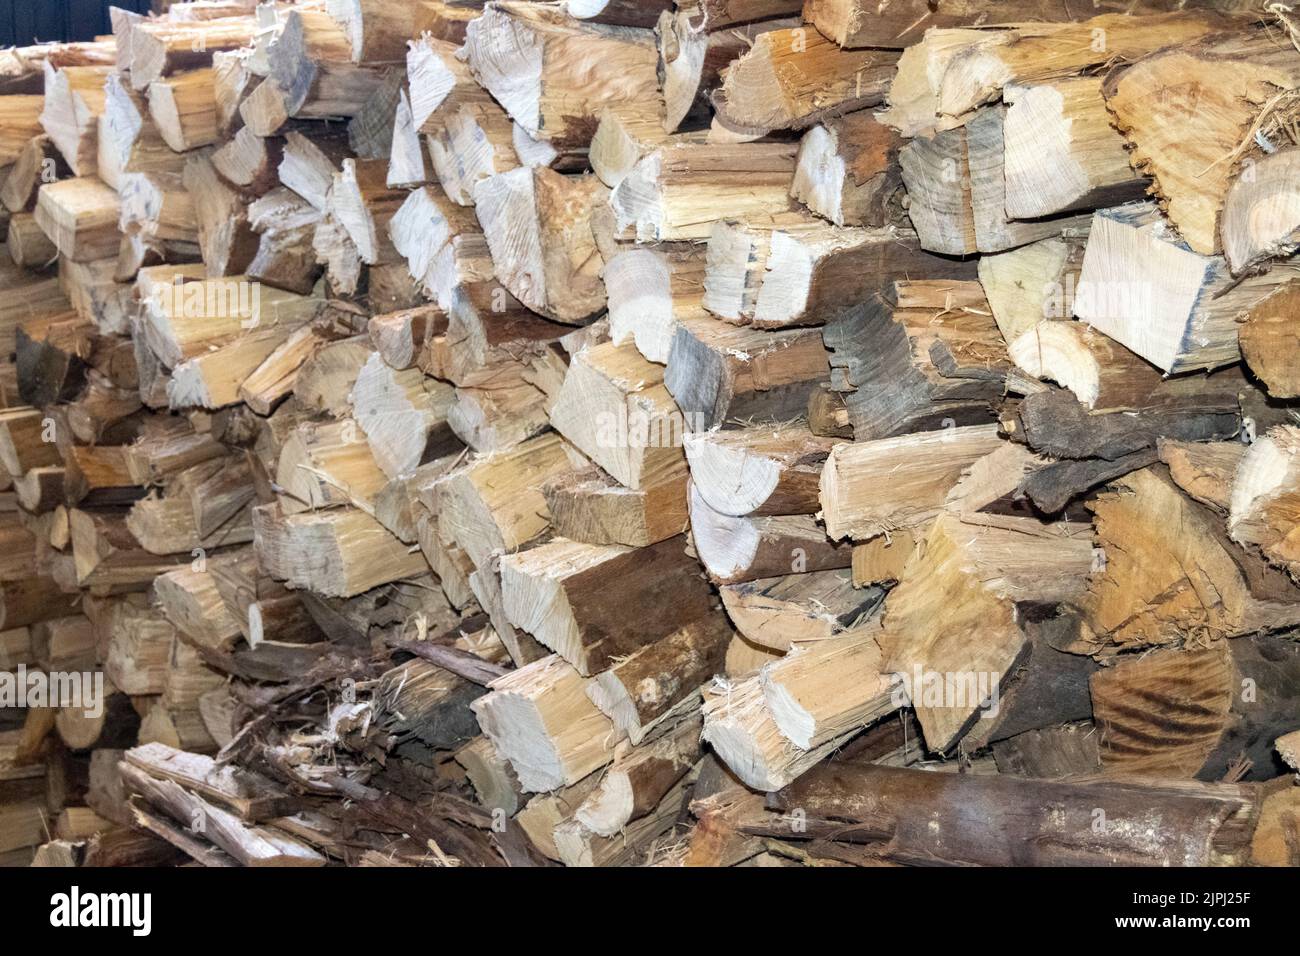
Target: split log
[
  {"x": 403, "y": 415},
  {"x": 679, "y": 191},
  {"x": 760, "y": 470},
  {"x": 736, "y": 549},
  {"x": 800, "y": 608},
  {"x": 1204, "y": 711},
  {"x": 936, "y": 359},
  {"x": 917, "y": 471},
  {"x": 539, "y": 718},
  {"x": 1187, "y": 110},
  {"x": 847, "y": 170},
  {"x": 574, "y": 598},
  {"x": 591, "y": 507},
  {"x": 538, "y": 226},
  {"x": 719, "y": 373},
  {"x": 1175, "y": 308},
  {"x": 338, "y": 553},
  {"x": 793, "y": 78},
  {"x": 570, "y": 72},
  {"x": 1224, "y": 591}
]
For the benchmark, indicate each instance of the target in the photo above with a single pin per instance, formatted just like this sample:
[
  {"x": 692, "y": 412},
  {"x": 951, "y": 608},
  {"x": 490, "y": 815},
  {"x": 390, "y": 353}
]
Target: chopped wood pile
[{"x": 660, "y": 433}]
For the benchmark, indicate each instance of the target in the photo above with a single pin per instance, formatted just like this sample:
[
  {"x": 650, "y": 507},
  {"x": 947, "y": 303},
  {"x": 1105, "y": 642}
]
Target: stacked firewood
[{"x": 675, "y": 432}]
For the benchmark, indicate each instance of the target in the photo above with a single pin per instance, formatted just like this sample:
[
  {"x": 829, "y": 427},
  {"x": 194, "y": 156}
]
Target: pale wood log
[
  {"x": 539, "y": 718},
  {"x": 741, "y": 731},
  {"x": 1187, "y": 141},
  {"x": 793, "y": 78},
  {"x": 678, "y": 191},
  {"x": 338, "y": 553},
  {"x": 403, "y": 415},
  {"x": 922, "y": 468},
  {"x": 817, "y": 694},
  {"x": 553, "y": 74},
  {"x": 736, "y": 549},
  {"x": 760, "y": 470},
  {"x": 590, "y": 506},
  {"x": 74, "y": 100},
  {"x": 184, "y": 107},
  {"x": 537, "y": 225},
  {"x": 80, "y": 217},
  {"x": 648, "y": 289},
  {"x": 1188, "y": 302},
  {"x": 953, "y": 656},
  {"x": 798, "y": 609}
]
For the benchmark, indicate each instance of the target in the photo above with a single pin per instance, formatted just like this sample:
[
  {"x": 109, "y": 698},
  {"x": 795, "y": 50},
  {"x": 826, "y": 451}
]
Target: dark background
[{"x": 24, "y": 22}]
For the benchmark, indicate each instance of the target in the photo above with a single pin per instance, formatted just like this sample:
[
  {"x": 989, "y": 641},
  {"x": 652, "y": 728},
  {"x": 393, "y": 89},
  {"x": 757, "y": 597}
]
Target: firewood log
[
  {"x": 923, "y": 467},
  {"x": 652, "y": 685},
  {"x": 74, "y": 100},
  {"x": 311, "y": 65},
  {"x": 80, "y": 217},
  {"x": 719, "y": 373},
  {"x": 573, "y": 71},
  {"x": 403, "y": 415},
  {"x": 537, "y": 225},
  {"x": 760, "y": 470},
  {"x": 636, "y": 782},
  {"x": 1188, "y": 302},
  {"x": 798, "y": 608},
  {"x": 1221, "y": 86},
  {"x": 648, "y": 290},
  {"x": 185, "y": 110},
  {"x": 573, "y": 597},
  {"x": 737, "y": 549},
  {"x": 228, "y": 243},
  {"x": 793, "y": 78},
  {"x": 678, "y": 191},
  {"x": 1204, "y": 710},
  {"x": 741, "y": 731},
  {"x": 327, "y": 464},
  {"x": 38, "y": 160},
  {"x": 360, "y": 553},
  {"x": 539, "y": 718},
  {"x": 847, "y": 170},
  {"x": 591, "y": 507},
  {"x": 1230, "y": 592}
]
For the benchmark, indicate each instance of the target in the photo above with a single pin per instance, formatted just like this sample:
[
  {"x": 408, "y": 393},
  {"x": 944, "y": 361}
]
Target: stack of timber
[{"x": 677, "y": 433}]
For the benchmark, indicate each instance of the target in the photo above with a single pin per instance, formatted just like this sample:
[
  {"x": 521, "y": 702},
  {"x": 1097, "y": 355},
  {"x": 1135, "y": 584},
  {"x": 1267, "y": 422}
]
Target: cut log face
[
  {"x": 799, "y": 609},
  {"x": 953, "y": 654},
  {"x": 1228, "y": 591},
  {"x": 893, "y": 484},
  {"x": 736, "y": 549},
  {"x": 791, "y": 78},
  {"x": 554, "y": 75},
  {"x": 538, "y": 227},
  {"x": 762, "y": 470},
  {"x": 1175, "y": 308},
  {"x": 718, "y": 373},
  {"x": 1260, "y": 212},
  {"x": 539, "y": 718},
  {"x": 1265, "y": 492},
  {"x": 847, "y": 170},
  {"x": 574, "y": 597},
  {"x": 1061, "y": 152},
  {"x": 403, "y": 415},
  {"x": 615, "y": 410}
]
